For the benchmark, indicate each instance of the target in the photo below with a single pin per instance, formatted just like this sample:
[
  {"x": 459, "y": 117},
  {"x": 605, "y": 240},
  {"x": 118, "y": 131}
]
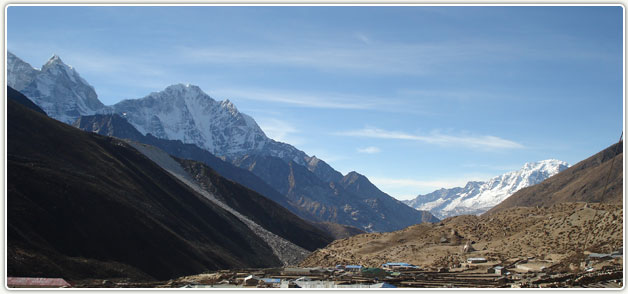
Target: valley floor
[{"x": 469, "y": 276}]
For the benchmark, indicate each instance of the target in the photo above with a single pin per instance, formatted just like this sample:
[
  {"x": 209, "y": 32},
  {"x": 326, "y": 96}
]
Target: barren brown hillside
[{"x": 552, "y": 233}]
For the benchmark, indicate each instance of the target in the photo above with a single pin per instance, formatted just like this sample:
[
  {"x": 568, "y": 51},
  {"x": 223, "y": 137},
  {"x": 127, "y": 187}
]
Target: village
[{"x": 597, "y": 270}]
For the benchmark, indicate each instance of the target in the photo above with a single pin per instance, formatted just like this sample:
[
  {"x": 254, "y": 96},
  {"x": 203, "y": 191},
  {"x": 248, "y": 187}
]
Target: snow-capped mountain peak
[
  {"x": 478, "y": 197},
  {"x": 179, "y": 112},
  {"x": 186, "y": 113},
  {"x": 54, "y": 59},
  {"x": 57, "y": 88}
]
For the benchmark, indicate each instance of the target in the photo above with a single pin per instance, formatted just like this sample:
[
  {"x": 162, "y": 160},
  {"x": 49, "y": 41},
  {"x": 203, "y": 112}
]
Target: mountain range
[
  {"x": 598, "y": 178},
  {"x": 81, "y": 205},
  {"x": 307, "y": 185},
  {"x": 477, "y": 197}
]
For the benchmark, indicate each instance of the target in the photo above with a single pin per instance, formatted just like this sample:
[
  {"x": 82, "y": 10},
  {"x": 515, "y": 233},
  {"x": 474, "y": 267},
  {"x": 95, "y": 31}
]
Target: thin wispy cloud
[
  {"x": 478, "y": 142},
  {"x": 369, "y": 150},
  {"x": 280, "y": 130},
  {"x": 400, "y": 58},
  {"x": 416, "y": 58},
  {"x": 303, "y": 99}
]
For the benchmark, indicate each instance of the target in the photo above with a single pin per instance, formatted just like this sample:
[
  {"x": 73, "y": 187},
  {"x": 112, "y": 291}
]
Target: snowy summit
[{"x": 478, "y": 197}]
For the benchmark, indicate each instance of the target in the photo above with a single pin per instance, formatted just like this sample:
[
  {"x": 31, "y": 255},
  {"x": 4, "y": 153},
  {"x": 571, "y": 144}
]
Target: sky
[{"x": 417, "y": 98}]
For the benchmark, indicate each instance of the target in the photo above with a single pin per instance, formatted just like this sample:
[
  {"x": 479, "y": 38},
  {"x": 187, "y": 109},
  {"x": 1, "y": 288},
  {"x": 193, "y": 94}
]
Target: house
[
  {"x": 476, "y": 260},
  {"x": 398, "y": 266},
  {"x": 15, "y": 282}
]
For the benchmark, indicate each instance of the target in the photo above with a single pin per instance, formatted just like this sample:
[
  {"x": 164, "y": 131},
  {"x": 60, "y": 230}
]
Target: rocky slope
[
  {"x": 81, "y": 205},
  {"x": 287, "y": 252},
  {"x": 257, "y": 208},
  {"x": 584, "y": 181},
  {"x": 477, "y": 197}
]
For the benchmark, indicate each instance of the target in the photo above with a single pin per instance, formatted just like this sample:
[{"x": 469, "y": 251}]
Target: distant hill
[
  {"x": 583, "y": 182},
  {"x": 80, "y": 205}
]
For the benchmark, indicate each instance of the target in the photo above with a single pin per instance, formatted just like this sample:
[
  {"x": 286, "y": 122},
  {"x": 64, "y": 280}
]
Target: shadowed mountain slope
[
  {"x": 116, "y": 126},
  {"x": 81, "y": 205},
  {"x": 583, "y": 182},
  {"x": 258, "y": 208}
]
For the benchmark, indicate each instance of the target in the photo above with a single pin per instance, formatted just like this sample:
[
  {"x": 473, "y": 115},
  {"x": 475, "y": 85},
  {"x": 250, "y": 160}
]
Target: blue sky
[{"x": 415, "y": 98}]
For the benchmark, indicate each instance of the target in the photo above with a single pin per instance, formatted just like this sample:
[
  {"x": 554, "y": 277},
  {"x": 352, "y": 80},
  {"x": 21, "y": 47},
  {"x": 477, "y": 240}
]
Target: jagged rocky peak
[
  {"x": 228, "y": 105},
  {"x": 57, "y": 88},
  {"x": 54, "y": 59},
  {"x": 184, "y": 112}
]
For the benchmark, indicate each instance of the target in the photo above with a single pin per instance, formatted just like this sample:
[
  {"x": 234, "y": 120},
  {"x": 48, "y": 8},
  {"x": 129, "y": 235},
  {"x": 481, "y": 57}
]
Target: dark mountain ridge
[
  {"x": 116, "y": 126},
  {"x": 80, "y": 205}
]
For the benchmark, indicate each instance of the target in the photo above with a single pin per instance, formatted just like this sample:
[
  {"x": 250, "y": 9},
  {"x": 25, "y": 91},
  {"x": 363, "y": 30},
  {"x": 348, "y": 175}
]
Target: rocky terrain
[{"x": 551, "y": 233}]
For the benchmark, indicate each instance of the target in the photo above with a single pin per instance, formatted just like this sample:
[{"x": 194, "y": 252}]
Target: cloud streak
[
  {"x": 280, "y": 130},
  {"x": 389, "y": 58},
  {"x": 477, "y": 142},
  {"x": 369, "y": 150},
  {"x": 301, "y": 99}
]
